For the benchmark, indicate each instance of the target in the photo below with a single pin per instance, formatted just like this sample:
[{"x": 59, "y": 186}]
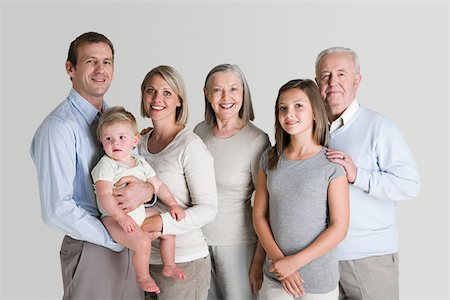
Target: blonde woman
[{"x": 183, "y": 163}]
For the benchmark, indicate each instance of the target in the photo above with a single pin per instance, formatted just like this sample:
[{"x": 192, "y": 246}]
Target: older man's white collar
[{"x": 345, "y": 116}]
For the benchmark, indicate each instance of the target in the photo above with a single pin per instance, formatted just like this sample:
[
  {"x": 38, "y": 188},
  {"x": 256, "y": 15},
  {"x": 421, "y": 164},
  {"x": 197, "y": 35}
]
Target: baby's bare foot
[
  {"x": 174, "y": 272},
  {"x": 148, "y": 284}
]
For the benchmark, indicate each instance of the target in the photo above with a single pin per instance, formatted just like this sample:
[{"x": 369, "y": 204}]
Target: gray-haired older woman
[{"x": 236, "y": 145}]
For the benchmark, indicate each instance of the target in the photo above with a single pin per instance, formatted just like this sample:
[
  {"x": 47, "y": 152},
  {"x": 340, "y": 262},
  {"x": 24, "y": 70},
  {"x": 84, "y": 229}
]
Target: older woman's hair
[
  {"x": 320, "y": 126},
  {"x": 246, "y": 112},
  {"x": 176, "y": 83},
  {"x": 114, "y": 115},
  {"x": 339, "y": 50}
]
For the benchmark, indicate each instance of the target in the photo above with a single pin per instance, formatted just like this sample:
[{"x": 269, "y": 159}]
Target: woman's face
[
  {"x": 160, "y": 101},
  {"x": 225, "y": 93}
]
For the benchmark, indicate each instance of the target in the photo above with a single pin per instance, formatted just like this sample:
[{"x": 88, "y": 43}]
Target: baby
[{"x": 117, "y": 131}]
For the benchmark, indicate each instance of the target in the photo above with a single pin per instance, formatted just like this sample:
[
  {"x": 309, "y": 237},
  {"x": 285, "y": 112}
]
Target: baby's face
[{"x": 118, "y": 140}]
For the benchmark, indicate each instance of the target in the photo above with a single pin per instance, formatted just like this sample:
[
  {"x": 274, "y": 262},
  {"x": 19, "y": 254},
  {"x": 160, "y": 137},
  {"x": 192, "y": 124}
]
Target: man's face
[
  {"x": 338, "y": 81},
  {"x": 92, "y": 75}
]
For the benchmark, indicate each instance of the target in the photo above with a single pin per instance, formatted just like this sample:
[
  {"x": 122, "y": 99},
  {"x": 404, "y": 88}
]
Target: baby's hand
[
  {"x": 127, "y": 223},
  {"x": 177, "y": 212}
]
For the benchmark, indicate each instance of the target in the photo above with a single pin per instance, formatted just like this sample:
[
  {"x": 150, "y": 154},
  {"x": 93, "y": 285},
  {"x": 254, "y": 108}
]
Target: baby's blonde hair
[{"x": 113, "y": 115}]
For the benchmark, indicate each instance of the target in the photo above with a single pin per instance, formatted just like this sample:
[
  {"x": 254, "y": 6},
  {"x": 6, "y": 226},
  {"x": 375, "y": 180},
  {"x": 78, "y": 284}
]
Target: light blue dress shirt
[{"x": 64, "y": 150}]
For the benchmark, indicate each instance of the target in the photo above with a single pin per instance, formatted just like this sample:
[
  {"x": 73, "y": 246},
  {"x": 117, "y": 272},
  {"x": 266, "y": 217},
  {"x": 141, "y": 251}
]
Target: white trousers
[
  {"x": 273, "y": 290},
  {"x": 229, "y": 272}
]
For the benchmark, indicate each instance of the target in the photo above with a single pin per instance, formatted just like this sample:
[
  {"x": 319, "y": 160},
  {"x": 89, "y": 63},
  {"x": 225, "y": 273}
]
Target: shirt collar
[
  {"x": 86, "y": 109},
  {"x": 348, "y": 113}
]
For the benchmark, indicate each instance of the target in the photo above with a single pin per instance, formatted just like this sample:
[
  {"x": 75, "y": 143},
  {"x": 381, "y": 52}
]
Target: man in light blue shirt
[
  {"x": 380, "y": 170},
  {"x": 64, "y": 150}
]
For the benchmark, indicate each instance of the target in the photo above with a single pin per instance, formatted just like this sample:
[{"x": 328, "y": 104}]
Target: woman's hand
[
  {"x": 145, "y": 130},
  {"x": 152, "y": 224}
]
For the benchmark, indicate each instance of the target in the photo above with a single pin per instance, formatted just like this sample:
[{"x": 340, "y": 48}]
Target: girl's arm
[
  {"x": 293, "y": 284},
  {"x": 339, "y": 211},
  {"x": 256, "y": 272},
  {"x": 261, "y": 218}
]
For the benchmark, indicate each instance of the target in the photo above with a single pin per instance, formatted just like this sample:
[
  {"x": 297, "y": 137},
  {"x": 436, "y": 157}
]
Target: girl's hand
[
  {"x": 293, "y": 285},
  {"x": 283, "y": 267},
  {"x": 256, "y": 275}
]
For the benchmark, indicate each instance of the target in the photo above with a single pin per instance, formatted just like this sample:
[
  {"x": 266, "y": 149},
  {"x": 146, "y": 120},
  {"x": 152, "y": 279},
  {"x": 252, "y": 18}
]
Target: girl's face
[
  {"x": 295, "y": 113},
  {"x": 160, "y": 101},
  {"x": 118, "y": 141},
  {"x": 225, "y": 93}
]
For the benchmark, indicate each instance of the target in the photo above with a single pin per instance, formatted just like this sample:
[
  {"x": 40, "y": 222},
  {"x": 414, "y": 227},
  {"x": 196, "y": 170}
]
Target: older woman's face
[{"x": 225, "y": 93}]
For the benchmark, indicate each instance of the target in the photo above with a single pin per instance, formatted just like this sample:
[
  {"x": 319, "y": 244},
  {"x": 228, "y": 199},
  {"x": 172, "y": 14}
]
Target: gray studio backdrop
[{"x": 403, "y": 49}]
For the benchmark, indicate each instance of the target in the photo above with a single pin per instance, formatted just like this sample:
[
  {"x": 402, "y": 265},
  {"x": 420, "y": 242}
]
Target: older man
[{"x": 380, "y": 170}]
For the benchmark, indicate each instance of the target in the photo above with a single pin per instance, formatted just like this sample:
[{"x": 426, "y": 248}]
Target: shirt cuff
[{"x": 362, "y": 179}]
